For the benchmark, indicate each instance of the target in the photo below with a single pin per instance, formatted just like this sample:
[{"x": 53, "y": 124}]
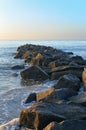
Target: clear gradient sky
[{"x": 42, "y": 19}]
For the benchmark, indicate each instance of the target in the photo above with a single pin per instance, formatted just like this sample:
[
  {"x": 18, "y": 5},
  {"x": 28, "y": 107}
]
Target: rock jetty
[{"x": 62, "y": 106}]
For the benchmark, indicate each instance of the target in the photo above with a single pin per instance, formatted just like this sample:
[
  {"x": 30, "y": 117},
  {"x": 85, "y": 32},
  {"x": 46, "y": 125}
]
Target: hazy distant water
[
  {"x": 8, "y": 48},
  {"x": 78, "y": 47}
]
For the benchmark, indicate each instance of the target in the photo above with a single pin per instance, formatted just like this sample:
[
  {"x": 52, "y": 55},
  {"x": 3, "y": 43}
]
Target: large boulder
[
  {"x": 21, "y": 51},
  {"x": 30, "y": 98},
  {"x": 67, "y": 125},
  {"x": 47, "y": 60},
  {"x": 55, "y": 95},
  {"x": 39, "y": 115},
  {"x": 84, "y": 78},
  {"x": 57, "y": 72},
  {"x": 68, "y": 81},
  {"x": 73, "y": 125},
  {"x": 78, "y": 59},
  {"x": 44, "y": 94},
  {"x": 35, "y": 73},
  {"x": 51, "y": 95},
  {"x": 79, "y": 99}
]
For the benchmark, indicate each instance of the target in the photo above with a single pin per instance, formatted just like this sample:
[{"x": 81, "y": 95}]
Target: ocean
[{"x": 11, "y": 88}]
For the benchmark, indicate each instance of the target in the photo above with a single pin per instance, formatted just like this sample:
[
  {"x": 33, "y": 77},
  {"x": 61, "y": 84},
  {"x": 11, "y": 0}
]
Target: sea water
[{"x": 12, "y": 91}]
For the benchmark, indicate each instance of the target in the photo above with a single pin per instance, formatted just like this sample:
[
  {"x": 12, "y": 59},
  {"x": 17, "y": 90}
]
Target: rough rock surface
[
  {"x": 13, "y": 125},
  {"x": 67, "y": 125},
  {"x": 78, "y": 59},
  {"x": 34, "y": 72},
  {"x": 68, "y": 81},
  {"x": 30, "y": 98},
  {"x": 84, "y": 78},
  {"x": 39, "y": 115},
  {"x": 73, "y": 125},
  {"x": 79, "y": 99},
  {"x": 57, "y": 72},
  {"x": 51, "y": 95}
]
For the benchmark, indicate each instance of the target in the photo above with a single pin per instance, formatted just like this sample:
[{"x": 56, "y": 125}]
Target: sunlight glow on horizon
[{"x": 42, "y": 20}]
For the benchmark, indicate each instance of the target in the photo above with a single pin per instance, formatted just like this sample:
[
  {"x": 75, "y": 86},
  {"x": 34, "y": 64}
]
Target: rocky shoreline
[{"x": 63, "y": 105}]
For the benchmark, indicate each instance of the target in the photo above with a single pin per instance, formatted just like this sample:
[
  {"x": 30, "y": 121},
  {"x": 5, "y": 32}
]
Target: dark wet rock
[
  {"x": 55, "y": 95},
  {"x": 61, "y": 62},
  {"x": 39, "y": 115},
  {"x": 57, "y": 72},
  {"x": 34, "y": 72},
  {"x": 79, "y": 99},
  {"x": 46, "y": 69},
  {"x": 47, "y": 60},
  {"x": 18, "y": 67},
  {"x": 21, "y": 51},
  {"x": 52, "y": 126},
  {"x": 73, "y": 125},
  {"x": 42, "y": 54},
  {"x": 51, "y": 52},
  {"x": 39, "y": 96},
  {"x": 84, "y": 78},
  {"x": 30, "y": 98},
  {"x": 57, "y": 63},
  {"x": 60, "y": 95},
  {"x": 65, "y": 93},
  {"x": 67, "y": 125},
  {"x": 78, "y": 59},
  {"x": 73, "y": 63},
  {"x": 68, "y": 81},
  {"x": 51, "y": 95}
]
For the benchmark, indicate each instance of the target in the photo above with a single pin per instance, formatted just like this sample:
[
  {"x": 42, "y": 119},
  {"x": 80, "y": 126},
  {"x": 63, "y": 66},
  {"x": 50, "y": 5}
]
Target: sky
[{"x": 42, "y": 19}]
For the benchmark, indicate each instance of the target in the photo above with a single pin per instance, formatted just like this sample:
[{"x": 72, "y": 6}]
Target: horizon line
[{"x": 43, "y": 40}]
